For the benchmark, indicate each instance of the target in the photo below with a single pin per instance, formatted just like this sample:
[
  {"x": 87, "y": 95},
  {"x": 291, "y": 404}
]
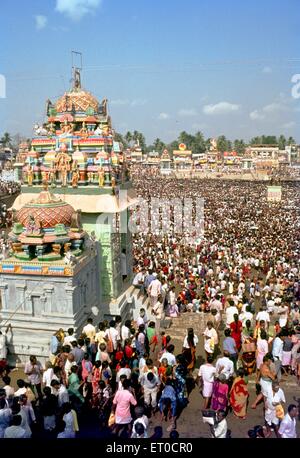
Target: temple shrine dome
[
  {"x": 78, "y": 100},
  {"x": 48, "y": 209}
]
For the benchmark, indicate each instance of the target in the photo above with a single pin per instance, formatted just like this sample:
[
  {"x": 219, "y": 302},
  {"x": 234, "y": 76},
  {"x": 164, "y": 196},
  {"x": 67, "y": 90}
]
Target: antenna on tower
[{"x": 76, "y": 69}]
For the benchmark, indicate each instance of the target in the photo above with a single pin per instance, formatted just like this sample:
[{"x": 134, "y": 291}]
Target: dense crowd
[
  {"x": 9, "y": 187},
  {"x": 241, "y": 277}
]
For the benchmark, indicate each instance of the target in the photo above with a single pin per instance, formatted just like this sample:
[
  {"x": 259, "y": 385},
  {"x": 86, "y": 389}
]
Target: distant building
[
  {"x": 166, "y": 164},
  {"x": 182, "y": 158}
]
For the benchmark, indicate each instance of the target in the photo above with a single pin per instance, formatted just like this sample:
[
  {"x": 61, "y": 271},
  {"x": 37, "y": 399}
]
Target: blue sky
[{"x": 222, "y": 67}]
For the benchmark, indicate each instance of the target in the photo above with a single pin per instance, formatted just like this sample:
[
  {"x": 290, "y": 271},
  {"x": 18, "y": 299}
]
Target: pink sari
[{"x": 219, "y": 398}]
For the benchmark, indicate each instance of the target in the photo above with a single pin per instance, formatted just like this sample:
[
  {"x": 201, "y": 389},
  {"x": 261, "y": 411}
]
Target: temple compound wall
[{"x": 38, "y": 305}]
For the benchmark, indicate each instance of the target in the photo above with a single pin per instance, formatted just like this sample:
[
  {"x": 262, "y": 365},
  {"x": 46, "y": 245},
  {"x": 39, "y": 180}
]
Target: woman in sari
[
  {"x": 180, "y": 381},
  {"x": 96, "y": 377},
  {"x": 236, "y": 331},
  {"x": 87, "y": 368},
  {"x": 74, "y": 384},
  {"x": 239, "y": 395},
  {"x": 189, "y": 349},
  {"x": 219, "y": 398}
]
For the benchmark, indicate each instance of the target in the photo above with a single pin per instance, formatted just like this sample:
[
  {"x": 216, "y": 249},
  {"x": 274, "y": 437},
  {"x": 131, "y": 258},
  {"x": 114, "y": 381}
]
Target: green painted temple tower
[{"x": 74, "y": 155}]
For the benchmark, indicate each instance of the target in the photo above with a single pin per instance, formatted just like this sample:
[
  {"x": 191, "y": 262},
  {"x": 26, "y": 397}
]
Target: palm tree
[
  {"x": 128, "y": 137},
  {"x": 291, "y": 141},
  {"x": 6, "y": 139}
]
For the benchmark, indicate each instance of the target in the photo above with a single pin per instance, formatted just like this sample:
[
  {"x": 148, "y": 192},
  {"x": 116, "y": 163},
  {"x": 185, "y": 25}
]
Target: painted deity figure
[
  {"x": 64, "y": 175},
  {"x": 83, "y": 130},
  {"x": 75, "y": 178},
  {"x": 98, "y": 131},
  {"x": 51, "y": 129},
  {"x": 100, "y": 176},
  {"x": 113, "y": 181},
  {"x": 30, "y": 174},
  {"x": 33, "y": 226}
]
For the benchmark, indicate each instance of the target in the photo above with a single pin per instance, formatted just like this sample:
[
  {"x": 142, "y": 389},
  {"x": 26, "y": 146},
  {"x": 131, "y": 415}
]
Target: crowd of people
[
  {"x": 241, "y": 278},
  {"x": 243, "y": 274}
]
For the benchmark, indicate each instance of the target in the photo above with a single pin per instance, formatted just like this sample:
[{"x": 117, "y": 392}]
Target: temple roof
[
  {"x": 77, "y": 100},
  {"x": 48, "y": 209}
]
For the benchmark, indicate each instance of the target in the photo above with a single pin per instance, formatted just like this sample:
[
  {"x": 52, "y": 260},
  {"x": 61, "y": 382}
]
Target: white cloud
[
  {"x": 163, "y": 116},
  {"x": 119, "y": 102},
  {"x": 289, "y": 125},
  {"x": 138, "y": 102},
  {"x": 76, "y": 9},
  {"x": 256, "y": 114},
  {"x": 220, "y": 108},
  {"x": 40, "y": 21},
  {"x": 187, "y": 112},
  {"x": 267, "y": 69},
  {"x": 270, "y": 110},
  {"x": 274, "y": 107}
]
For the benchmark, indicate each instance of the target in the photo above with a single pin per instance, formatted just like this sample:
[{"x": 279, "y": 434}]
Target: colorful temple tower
[{"x": 74, "y": 155}]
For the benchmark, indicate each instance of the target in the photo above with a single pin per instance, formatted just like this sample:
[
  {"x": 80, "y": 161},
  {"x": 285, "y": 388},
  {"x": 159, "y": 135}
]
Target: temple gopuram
[{"x": 75, "y": 194}]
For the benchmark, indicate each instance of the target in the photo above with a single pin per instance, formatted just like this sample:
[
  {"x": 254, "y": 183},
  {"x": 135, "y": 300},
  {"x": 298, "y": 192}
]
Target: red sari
[
  {"x": 239, "y": 397},
  {"x": 236, "y": 333},
  {"x": 96, "y": 377}
]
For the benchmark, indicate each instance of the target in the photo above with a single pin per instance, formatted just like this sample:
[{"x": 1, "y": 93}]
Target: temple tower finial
[{"x": 76, "y": 70}]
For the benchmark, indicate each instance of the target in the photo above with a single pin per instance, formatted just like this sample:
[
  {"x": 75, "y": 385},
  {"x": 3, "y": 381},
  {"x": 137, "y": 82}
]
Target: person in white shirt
[
  {"x": 21, "y": 388},
  {"x": 283, "y": 311},
  {"x": 245, "y": 316},
  {"x": 34, "y": 370},
  {"x": 139, "y": 279},
  {"x": 61, "y": 391},
  {"x": 219, "y": 429},
  {"x": 140, "y": 418},
  {"x": 9, "y": 390},
  {"x": 172, "y": 296},
  {"x": 230, "y": 311},
  {"x": 69, "y": 338},
  {"x": 263, "y": 315},
  {"x": 158, "y": 312},
  {"x": 125, "y": 331},
  {"x": 216, "y": 304},
  {"x": 225, "y": 366},
  {"x": 48, "y": 374},
  {"x": 4, "y": 342},
  {"x": 123, "y": 371},
  {"x": 112, "y": 334},
  {"x": 270, "y": 304},
  {"x": 287, "y": 429},
  {"x": 89, "y": 330},
  {"x": 15, "y": 431},
  {"x": 142, "y": 319},
  {"x": 276, "y": 397},
  {"x": 206, "y": 376},
  {"x": 210, "y": 339},
  {"x": 277, "y": 354},
  {"x": 154, "y": 290},
  {"x": 168, "y": 354}
]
